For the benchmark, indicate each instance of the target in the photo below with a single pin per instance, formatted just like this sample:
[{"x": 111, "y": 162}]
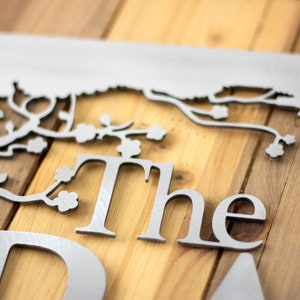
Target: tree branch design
[
  {"x": 82, "y": 133},
  {"x": 65, "y": 201},
  {"x": 86, "y": 132},
  {"x": 218, "y": 112}
]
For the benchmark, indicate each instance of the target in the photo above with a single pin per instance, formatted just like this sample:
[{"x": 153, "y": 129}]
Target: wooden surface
[{"x": 217, "y": 163}]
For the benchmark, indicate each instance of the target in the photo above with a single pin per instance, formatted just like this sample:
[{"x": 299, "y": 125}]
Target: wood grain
[
  {"x": 267, "y": 180},
  {"x": 68, "y": 18},
  {"x": 143, "y": 270},
  {"x": 72, "y": 18}
]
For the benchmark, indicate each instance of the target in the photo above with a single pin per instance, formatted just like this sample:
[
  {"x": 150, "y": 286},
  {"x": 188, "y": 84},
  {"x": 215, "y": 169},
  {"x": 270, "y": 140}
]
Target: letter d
[{"x": 86, "y": 276}]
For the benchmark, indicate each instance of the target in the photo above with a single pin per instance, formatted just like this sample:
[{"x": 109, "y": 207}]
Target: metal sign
[
  {"x": 57, "y": 68},
  {"x": 60, "y": 68},
  {"x": 66, "y": 201}
]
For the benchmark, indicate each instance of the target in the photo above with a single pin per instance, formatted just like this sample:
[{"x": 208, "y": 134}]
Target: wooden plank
[
  {"x": 69, "y": 18},
  {"x": 278, "y": 188},
  {"x": 282, "y": 245},
  {"x": 73, "y": 18},
  {"x": 268, "y": 180},
  {"x": 138, "y": 269},
  {"x": 297, "y": 44}
]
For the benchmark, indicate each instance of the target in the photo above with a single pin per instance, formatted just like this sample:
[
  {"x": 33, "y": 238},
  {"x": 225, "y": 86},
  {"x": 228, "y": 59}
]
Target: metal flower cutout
[
  {"x": 84, "y": 133},
  {"x": 275, "y": 149},
  {"x": 64, "y": 174},
  {"x": 155, "y": 133},
  {"x": 66, "y": 201},
  {"x": 36, "y": 145},
  {"x": 129, "y": 148}
]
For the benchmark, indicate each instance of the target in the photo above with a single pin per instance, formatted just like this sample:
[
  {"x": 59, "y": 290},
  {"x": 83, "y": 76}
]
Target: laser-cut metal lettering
[
  {"x": 69, "y": 200},
  {"x": 86, "y": 275}
]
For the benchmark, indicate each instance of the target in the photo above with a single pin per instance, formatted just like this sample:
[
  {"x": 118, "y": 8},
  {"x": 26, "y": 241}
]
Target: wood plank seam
[
  {"x": 278, "y": 207},
  {"x": 113, "y": 19},
  {"x": 13, "y": 13},
  {"x": 292, "y": 47}
]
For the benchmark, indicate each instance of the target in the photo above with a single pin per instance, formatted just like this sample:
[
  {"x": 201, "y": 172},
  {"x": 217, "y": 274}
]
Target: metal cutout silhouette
[
  {"x": 174, "y": 75},
  {"x": 81, "y": 134}
]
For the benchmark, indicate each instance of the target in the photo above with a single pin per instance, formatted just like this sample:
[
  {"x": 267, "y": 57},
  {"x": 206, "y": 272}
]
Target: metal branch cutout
[
  {"x": 217, "y": 112},
  {"x": 82, "y": 133},
  {"x": 55, "y": 68},
  {"x": 86, "y": 132}
]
